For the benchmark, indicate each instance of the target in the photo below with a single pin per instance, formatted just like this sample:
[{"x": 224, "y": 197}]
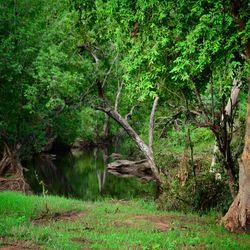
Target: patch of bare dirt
[
  {"x": 83, "y": 242},
  {"x": 197, "y": 247},
  {"x": 66, "y": 216},
  {"x": 160, "y": 223},
  {"x": 17, "y": 245},
  {"x": 163, "y": 222},
  {"x": 128, "y": 223},
  {"x": 79, "y": 240},
  {"x": 179, "y": 218},
  {"x": 13, "y": 248}
]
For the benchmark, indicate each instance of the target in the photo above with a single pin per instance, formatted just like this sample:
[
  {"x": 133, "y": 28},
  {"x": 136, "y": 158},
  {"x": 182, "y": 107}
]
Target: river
[{"x": 83, "y": 175}]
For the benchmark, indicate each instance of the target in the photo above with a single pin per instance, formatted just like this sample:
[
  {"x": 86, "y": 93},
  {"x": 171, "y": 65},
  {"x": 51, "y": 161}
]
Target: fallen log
[{"x": 125, "y": 168}]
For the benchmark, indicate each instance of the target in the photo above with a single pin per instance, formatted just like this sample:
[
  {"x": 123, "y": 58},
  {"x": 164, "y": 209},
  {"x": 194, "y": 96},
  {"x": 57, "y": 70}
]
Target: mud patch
[
  {"x": 127, "y": 223},
  {"x": 166, "y": 222},
  {"x": 178, "y": 218},
  {"x": 16, "y": 245},
  {"x": 83, "y": 242},
  {"x": 160, "y": 223},
  {"x": 56, "y": 216},
  {"x": 14, "y": 248},
  {"x": 79, "y": 240}
]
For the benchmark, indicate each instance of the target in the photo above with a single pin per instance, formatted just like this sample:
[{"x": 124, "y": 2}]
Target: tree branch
[
  {"x": 152, "y": 123},
  {"x": 120, "y": 86},
  {"x": 130, "y": 113},
  {"x": 106, "y": 76},
  {"x": 232, "y": 101},
  {"x": 134, "y": 136}
]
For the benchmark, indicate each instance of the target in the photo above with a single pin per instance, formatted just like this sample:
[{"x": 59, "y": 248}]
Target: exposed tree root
[
  {"x": 11, "y": 172},
  {"x": 14, "y": 184}
]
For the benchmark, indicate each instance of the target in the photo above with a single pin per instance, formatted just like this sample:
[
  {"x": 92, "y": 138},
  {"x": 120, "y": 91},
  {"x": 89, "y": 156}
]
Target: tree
[
  {"x": 80, "y": 56},
  {"x": 238, "y": 216},
  {"x": 41, "y": 79},
  {"x": 191, "y": 49},
  {"x": 209, "y": 55},
  {"x": 140, "y": 63},
  {"x": 19, "y": 34}
]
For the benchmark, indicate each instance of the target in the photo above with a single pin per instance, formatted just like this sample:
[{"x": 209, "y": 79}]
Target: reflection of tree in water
[
  {"x": 83, "y": 174},
  {"x": 44, "y": 169},
  {"x": 102, "y": 174}
]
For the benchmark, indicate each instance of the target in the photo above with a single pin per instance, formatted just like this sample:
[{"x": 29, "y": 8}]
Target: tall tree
[
  {"x": 19, "y": 33},
  {"x": 238, "y": 216}
]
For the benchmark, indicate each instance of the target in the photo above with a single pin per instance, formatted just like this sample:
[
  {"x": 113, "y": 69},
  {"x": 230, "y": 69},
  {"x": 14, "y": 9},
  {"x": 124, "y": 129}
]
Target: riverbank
[{"x": 33, "y": 222}]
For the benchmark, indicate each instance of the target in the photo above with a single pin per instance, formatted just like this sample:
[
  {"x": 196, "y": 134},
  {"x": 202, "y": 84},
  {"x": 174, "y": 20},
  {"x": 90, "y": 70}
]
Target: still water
[{"x": 83, "y": 175}]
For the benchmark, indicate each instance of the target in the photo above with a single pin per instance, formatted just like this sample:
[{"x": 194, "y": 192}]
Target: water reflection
[{"x": 83, "y": 174}]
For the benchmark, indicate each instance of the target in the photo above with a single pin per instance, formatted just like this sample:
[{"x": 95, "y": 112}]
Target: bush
[{"x": 201, "y": 194}]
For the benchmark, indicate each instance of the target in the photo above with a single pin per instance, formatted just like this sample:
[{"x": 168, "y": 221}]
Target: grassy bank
[{"x": 59, "y": 223}]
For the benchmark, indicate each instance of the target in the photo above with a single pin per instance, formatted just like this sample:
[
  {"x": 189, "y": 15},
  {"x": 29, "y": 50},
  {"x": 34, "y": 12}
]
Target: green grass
[{"x": 107, "y": 224}]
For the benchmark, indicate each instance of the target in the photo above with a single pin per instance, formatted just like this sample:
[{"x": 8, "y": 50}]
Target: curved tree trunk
[
  {"x": 146, "y": 150},
  {"x": 238, "y": 216}
]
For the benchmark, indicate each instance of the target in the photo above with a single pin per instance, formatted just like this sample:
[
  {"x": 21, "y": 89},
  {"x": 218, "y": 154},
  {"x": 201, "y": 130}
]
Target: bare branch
[
  {"x": 120, "y": 86},
  {"x": 201, "y": 105},
  {"x": 232, "y": 101},
  {"x": 134, "y": 136},
  {"x": 111, "y": 66},
  {"x": 89, "y": 48},
  {"x": 95, "y": 57},
  {"x": 152, "y": 123},
  {"x": 130, "y": 113}
]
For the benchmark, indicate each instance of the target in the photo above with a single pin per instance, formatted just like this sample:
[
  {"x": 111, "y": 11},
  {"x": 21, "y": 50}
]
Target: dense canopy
[{"x": 173, "y": 74}]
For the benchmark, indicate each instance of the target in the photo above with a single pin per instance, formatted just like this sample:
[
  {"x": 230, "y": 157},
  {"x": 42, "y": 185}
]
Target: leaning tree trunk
[
  {"x": 238, "y": 216},
  {"x": 145, "y": 149}
]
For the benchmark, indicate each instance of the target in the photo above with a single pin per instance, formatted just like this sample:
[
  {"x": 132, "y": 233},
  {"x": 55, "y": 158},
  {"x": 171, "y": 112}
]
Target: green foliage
[
  {"x": 53, "y": 54},
  {"x": 44, "y": 76},
  {"x": 153, "y": 47},
  {"x": 201, "y": 194},
  {"x": 88, "y": 123},
  {"x": 184, "y": 191}
]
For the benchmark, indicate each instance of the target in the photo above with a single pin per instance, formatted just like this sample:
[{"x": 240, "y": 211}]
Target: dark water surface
[{"x": 83, "y": 175}]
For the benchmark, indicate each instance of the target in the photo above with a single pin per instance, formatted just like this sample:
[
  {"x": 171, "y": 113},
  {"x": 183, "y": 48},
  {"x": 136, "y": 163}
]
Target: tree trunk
[
  {"x": 238, "y": 216},
  {"x": 232, "y": 101},
  {"x": 152, "y": 124},
  {"x": 223, "y": 148},
  {"x": 135, "y": 137}
]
